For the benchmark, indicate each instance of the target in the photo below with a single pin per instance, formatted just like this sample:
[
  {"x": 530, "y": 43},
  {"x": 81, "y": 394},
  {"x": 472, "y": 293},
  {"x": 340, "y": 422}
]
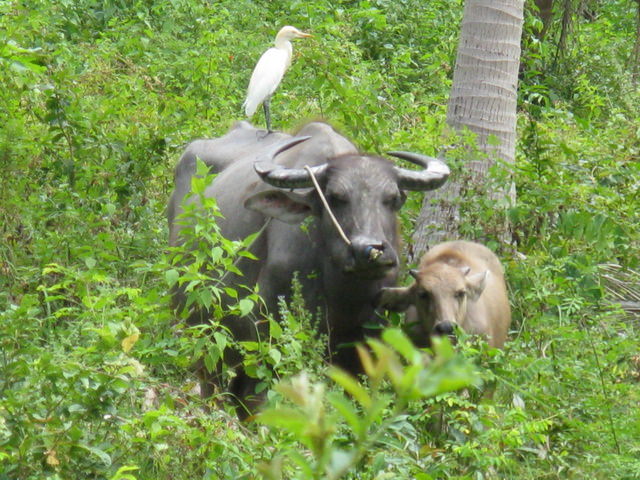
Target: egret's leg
[{"x": 267, "y": 113}]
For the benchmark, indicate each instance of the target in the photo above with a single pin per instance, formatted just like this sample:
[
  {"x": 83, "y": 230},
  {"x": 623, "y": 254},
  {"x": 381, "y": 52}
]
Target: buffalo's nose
[
  {"x": 366, "y": 250},
  {"x": 444, "y": 328}
]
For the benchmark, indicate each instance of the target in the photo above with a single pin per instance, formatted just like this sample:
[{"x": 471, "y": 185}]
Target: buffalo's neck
[
  {"x": 349, "y": 315},
  {"x": 350, "y": 297}
]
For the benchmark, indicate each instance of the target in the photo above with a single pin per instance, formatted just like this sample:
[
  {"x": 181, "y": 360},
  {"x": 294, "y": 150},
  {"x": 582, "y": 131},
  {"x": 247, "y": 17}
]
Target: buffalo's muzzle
[
  {"x": 369, "y": 255},
  {"x": 373, "y": 253}
]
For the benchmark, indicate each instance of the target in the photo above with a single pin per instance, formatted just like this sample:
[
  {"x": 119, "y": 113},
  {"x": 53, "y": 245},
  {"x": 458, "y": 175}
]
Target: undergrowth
[{"x": 98, "y": 99}]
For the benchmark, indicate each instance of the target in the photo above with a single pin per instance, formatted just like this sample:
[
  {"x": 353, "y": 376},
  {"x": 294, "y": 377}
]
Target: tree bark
[
  {"x": 545, "y": 12},
  {"x": 635, "y": 55},
  {"x": 565, "y": 30},
  {"x": 483, "y": 99}
]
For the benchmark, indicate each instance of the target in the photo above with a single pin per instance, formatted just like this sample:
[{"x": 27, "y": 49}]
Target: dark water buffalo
[
  {"x": 458, "y": 283},
  {"x": 338, "y": 279}
]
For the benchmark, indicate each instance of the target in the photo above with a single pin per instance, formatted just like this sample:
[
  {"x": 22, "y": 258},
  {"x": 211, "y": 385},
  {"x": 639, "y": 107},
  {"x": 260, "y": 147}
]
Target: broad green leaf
[
  {"x": 221, "y": 340},
  {"x": 288, "y": 419},
  {"x": 102, "y": 455},
  {"x": 351, "y": 385},
  {"x": 275, "y": 330},
  {"x": 340, "y": 462},
  {"x": 247, "y": 254},
  {"x": 205, "y": 297},
  {"x": 303, "y": 463},
  {"x": 216, "y": 254},
  {"x": 90, "y": 262},
  {"x": 347, "y": 410},
  {"x": 232, "y": 292},
  {"x": 399, "y": 340},
  {"x": 275, "y": 355},
  {"x": 171, "y": 276},
  {"x": 245, "y": 305},
  {"x": 122, "y": 475}
]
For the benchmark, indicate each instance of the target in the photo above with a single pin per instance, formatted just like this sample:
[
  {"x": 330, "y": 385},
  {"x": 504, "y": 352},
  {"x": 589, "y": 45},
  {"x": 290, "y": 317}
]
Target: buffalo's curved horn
[
  {"x": 433, "y": 175},
  {"x": 283, "y": 177},
  {"x": 285, "y": 145}
]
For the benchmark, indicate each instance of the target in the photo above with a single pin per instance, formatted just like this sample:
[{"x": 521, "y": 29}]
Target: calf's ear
[
  {"x": 476, "y": 284},
  {"x": 396, "y": 299},
  {"x": 288, "y": 207}
]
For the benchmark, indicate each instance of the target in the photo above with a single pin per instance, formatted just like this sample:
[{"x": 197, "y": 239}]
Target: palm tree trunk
[{"x": 483, "y": 99}]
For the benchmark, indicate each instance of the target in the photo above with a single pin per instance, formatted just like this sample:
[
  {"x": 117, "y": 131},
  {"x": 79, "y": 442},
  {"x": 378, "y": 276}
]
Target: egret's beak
[{"x": 304, "y": 35}]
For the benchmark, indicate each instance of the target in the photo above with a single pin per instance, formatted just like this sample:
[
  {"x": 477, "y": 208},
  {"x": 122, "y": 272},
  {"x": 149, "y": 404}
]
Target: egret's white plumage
[{"x": 269, "y": 71}]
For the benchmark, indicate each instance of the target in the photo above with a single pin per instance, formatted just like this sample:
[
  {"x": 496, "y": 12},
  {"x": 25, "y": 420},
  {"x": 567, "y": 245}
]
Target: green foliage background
[{"x": 97, "y": 100}]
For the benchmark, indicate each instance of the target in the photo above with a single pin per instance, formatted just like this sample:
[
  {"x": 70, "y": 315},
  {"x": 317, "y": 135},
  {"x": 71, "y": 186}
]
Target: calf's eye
[{"x": 423, "y": 294}]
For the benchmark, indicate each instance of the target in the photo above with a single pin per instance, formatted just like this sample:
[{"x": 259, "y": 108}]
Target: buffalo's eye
[
  {"x": 392, "y": 201},
  {"x": 337, "y": 199},
  {"x": 460, "y": 294}
]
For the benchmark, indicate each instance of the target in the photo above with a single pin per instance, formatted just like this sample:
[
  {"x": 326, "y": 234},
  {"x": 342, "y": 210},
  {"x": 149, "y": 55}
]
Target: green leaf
[
  {"x": 102, "y": 455},
  {"x": 247, "y": 254},
  {"x": 110, "y": 208},
  {"x": 289, "y": 419},
  {"x": 399, "y": 340},
  {"x": 122, "y": 475},
  {"x": 340, "y": 462},
  {"x": 221, "y": 340},
  {"x": 232, "y": 292},
  {"x": 245, "y": 305},
  {"x": 171, "y": 276},
  {"x": 347, "y": 410},
  {"x": 201, "y": 169},
  {"x": 205, "y": 297},
  {"x": 211, "y": 358},
  {"x": 250, "y": 346},
  {"x": 216, "y": 254},
  {"x": 90, "y": 262},
  {"x": 275, "y": 330},
  {"x": 303, "y": 463},
  {"x": 275, "y": 355},
  {"x": 351, "y": 385},
  {"x": 423, "y": 476}
]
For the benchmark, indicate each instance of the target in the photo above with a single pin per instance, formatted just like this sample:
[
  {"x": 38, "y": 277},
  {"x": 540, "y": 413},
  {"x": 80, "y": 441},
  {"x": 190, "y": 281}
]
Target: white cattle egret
[{"x": 269, "y": 72}]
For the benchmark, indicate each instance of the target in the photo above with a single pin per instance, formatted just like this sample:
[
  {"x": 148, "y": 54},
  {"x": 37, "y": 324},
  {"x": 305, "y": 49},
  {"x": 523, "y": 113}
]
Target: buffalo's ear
[
  {"x": 476, "y": 284},
  {"x": 288, "y": 207},
  {"x": 396, "y": 299}
]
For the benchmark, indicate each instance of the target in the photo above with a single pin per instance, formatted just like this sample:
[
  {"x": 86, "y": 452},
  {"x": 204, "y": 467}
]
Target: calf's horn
[{"x": 433, "y": 175}]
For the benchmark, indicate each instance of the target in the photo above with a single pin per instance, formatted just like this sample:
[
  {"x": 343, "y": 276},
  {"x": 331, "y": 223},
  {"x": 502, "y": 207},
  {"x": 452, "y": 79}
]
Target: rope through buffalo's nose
[
  {"x": 372, "y": 252},
  {"x": 326, "y": 206}
]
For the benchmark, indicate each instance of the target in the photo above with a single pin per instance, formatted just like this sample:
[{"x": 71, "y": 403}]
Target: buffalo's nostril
[
  {"x": 372, "y": 252},
  {"x": 444, "y": 328},
  {"x": 372, "y": 255}
]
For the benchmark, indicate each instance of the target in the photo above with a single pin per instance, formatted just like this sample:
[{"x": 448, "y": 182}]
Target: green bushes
[{"x": 97, "y": 100}]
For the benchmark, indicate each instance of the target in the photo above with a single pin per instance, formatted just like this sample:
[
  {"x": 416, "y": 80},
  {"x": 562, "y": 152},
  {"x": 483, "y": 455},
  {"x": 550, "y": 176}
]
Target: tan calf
[{"x": 458, "y": 283}]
